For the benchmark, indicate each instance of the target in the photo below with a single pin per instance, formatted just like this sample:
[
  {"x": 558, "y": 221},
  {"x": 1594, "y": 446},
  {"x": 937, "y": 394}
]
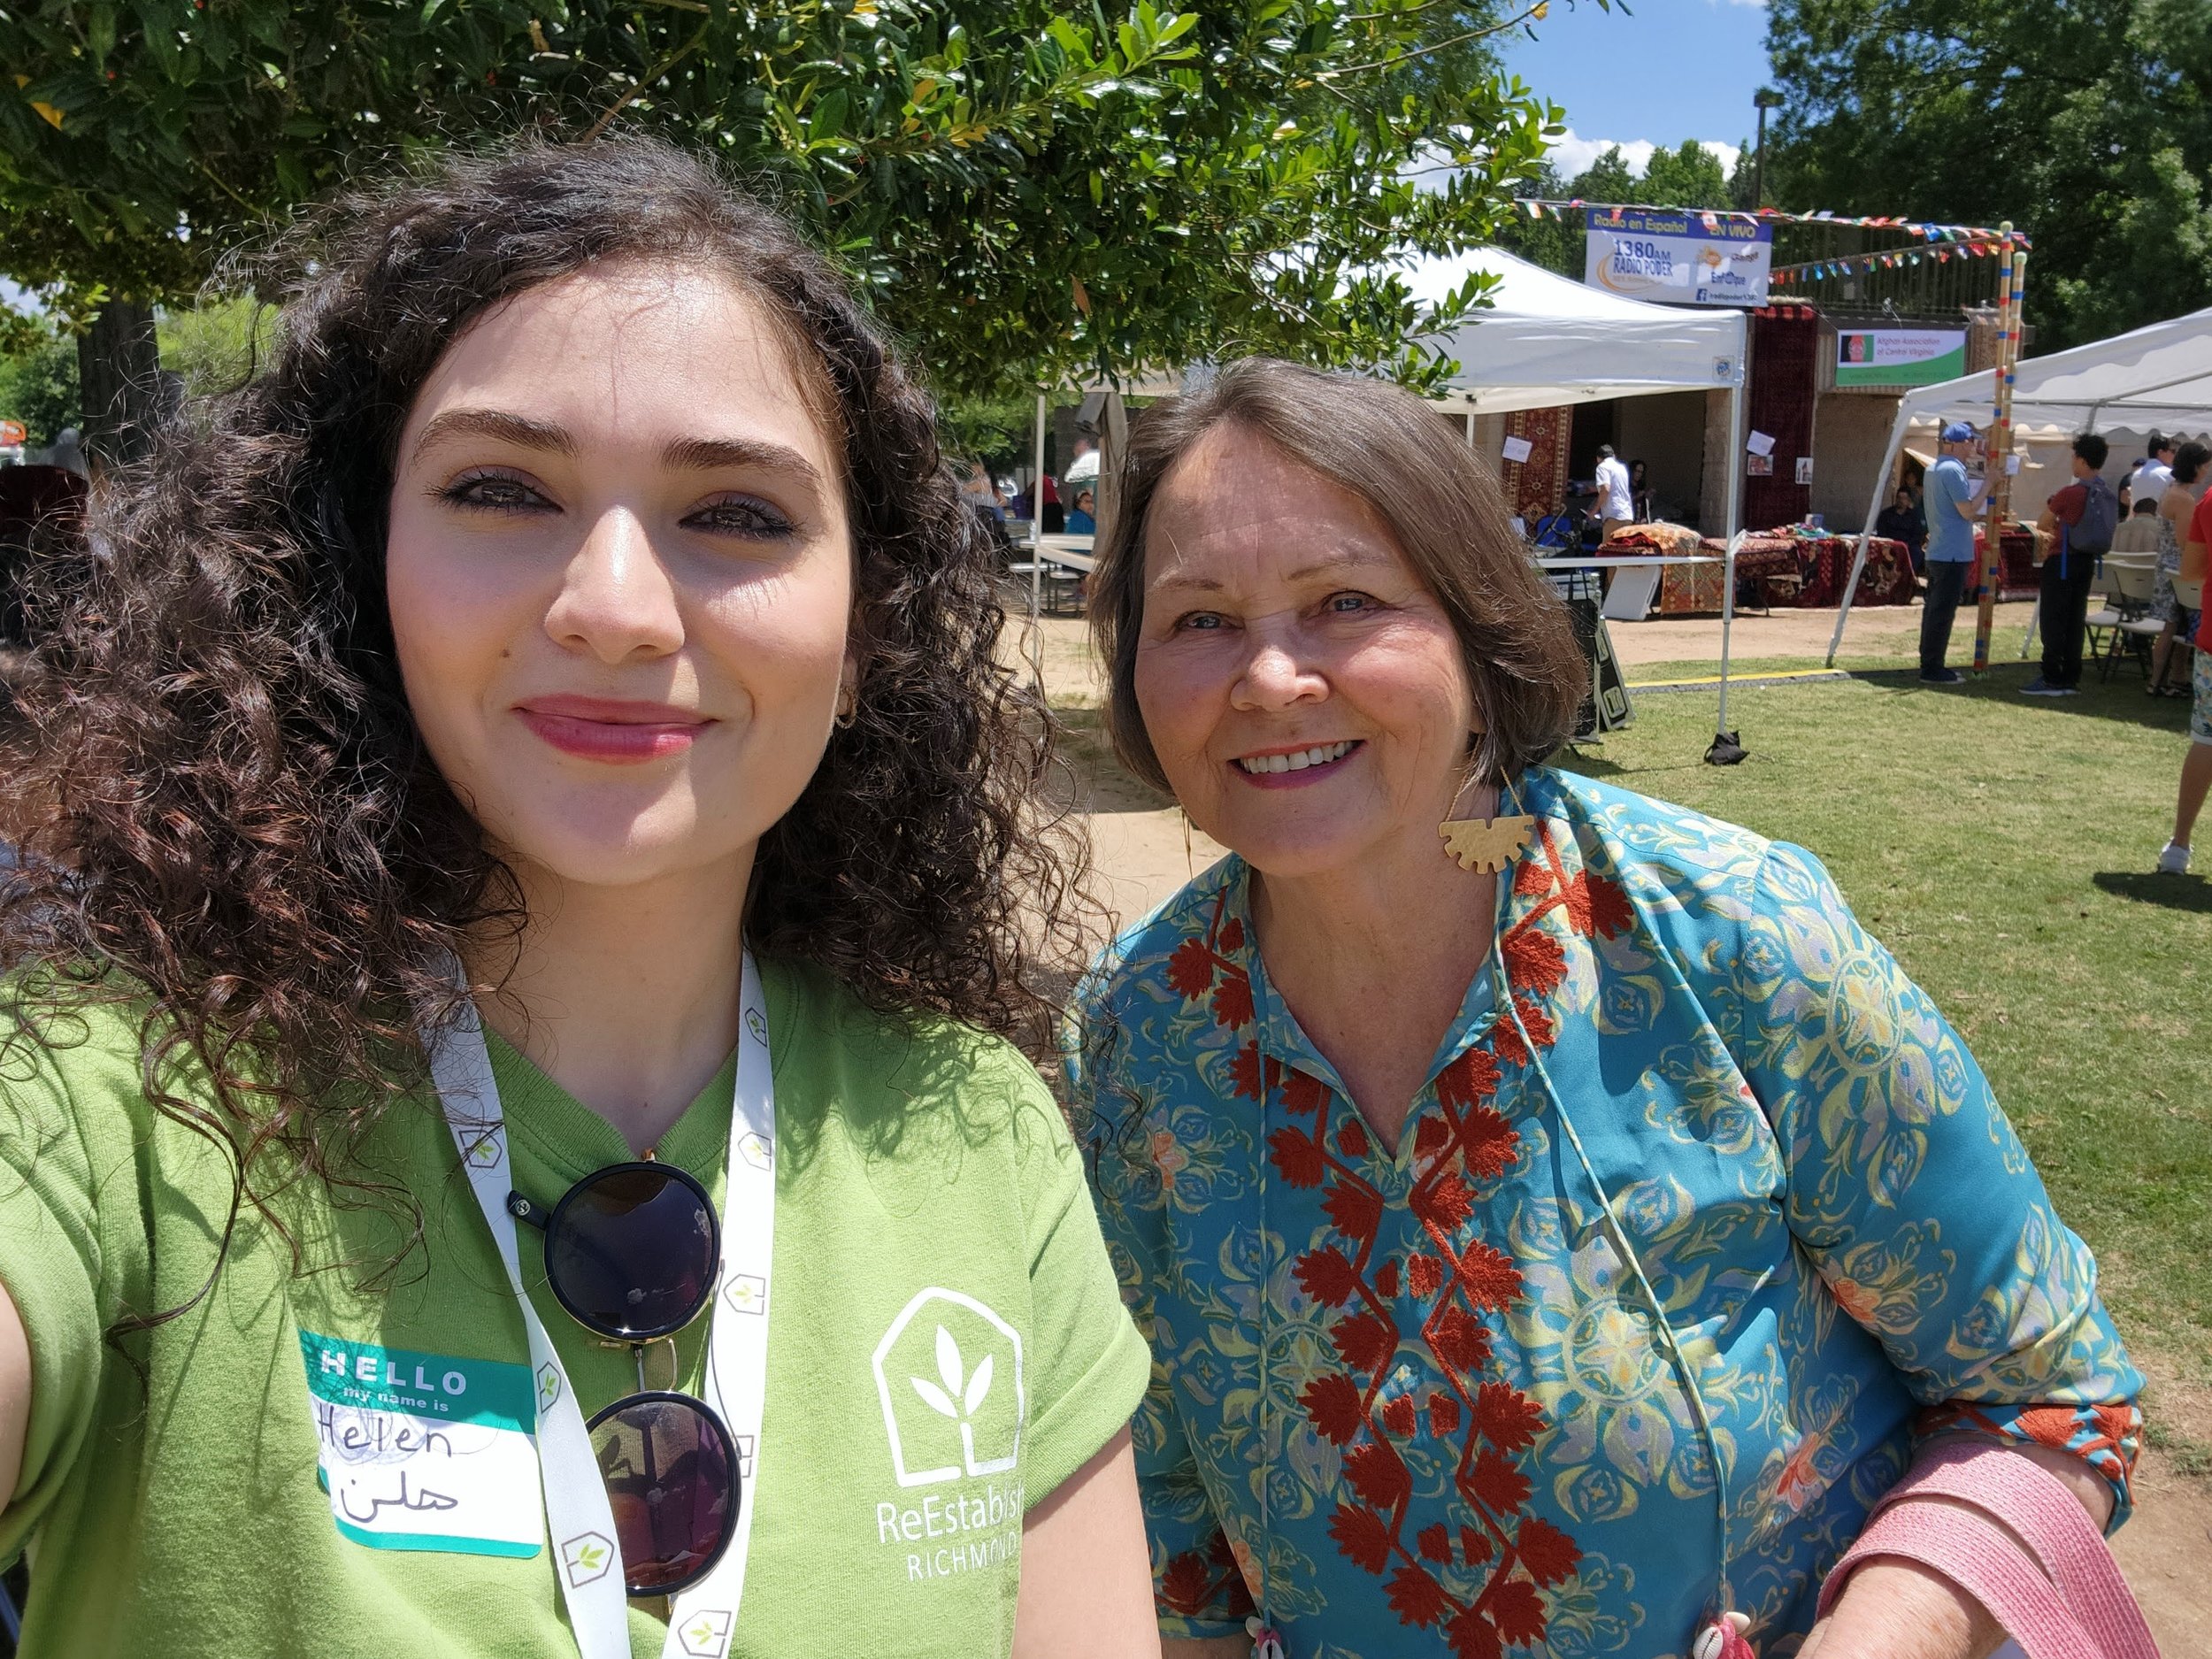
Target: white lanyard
[{"x": 588, "y": 1559}]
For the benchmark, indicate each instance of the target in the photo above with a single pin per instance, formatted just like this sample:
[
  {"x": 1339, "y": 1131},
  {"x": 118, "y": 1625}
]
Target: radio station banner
[
  {"x": 1688, "y": 259},
  {"x": 1899, "y": 357}
]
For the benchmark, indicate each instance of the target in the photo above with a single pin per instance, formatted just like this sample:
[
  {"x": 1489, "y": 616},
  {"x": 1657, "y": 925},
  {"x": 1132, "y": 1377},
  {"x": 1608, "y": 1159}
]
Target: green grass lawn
[{"x": 2000, "y": 846}]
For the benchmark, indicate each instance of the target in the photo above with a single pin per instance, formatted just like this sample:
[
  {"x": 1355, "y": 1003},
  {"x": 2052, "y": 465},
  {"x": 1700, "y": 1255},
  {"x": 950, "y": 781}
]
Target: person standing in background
[
  {"x": 1616, "y": 506},
  {"x": 1640, "y": 492},
  {"x": 2151, "y": 478},
  {"x": 1951, "y": 505},
  {"x": 2191, "y": 462},
  {"x": 1900, "y": 521},
  {"x": 2083, "y": 517},
  {"x": 979, "y": 493},
  {"x": 2196, "y": 766}
]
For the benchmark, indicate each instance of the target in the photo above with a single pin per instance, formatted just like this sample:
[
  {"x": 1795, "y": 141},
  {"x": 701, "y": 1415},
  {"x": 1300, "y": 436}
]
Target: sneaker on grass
[
  {"x": 2174, "y": 861},
  {"x": 1943, "y": 677},
  {"x": 2041, "y": 687}
]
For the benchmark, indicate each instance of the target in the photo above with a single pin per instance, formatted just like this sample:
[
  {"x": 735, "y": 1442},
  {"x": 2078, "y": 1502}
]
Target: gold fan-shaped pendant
[{"x": 1486, "y": 844}]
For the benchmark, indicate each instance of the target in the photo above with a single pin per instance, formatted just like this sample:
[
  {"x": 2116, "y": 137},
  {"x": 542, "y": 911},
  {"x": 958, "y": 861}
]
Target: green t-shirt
[{"x": 923, "y": 1181}]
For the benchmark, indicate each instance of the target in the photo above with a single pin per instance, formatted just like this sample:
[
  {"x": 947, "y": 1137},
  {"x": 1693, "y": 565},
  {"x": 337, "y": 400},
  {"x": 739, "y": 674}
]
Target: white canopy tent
[
  {"x": 2160, "y": 376},
  {"x": 1546, "y": 340}
]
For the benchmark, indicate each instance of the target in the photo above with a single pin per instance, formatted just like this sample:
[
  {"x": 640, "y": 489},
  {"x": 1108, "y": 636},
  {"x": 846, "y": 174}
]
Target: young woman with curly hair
[{"x": 506, "y": 1099}]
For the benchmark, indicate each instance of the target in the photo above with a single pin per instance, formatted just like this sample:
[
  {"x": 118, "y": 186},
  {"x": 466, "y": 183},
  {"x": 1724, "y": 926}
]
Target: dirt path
[
  {"x": 2166, "y": 1552},
  {"x": 1884, "y": 631},
  {"x": 1145, "y": 849},
  {"x": 1802, "y": 636}
]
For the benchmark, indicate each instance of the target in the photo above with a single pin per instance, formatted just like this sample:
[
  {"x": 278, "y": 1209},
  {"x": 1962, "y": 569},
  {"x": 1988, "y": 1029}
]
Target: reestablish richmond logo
[{"x": 948, "y": 1373}]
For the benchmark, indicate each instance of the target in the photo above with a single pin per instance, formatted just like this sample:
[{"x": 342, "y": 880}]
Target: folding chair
[
  {"x": 2133, "y": 628},
  {"x": 2108, "y": 616},
  {"x": 2189, "y": 596}
]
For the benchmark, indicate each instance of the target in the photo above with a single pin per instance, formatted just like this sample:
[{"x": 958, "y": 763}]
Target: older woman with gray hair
[{"x": 1559, "y": 1226}]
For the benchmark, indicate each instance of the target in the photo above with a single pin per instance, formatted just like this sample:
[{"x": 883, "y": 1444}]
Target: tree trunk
[{"x": 118, "y": 369}]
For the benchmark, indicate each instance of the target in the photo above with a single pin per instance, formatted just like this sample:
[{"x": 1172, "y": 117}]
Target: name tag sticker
[{"x": 425, "y": 1451}]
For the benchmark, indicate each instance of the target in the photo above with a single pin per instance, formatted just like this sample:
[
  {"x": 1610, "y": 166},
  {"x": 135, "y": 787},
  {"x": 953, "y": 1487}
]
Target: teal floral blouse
[{"x": 1703, "y": 1219}]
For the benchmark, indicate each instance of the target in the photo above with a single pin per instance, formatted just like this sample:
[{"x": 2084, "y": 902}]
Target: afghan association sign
[
  {"x": 1689, "y": 258},
  {"x": 1899, "y": 357}
]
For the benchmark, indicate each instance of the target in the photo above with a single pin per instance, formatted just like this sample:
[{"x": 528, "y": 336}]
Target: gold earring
[{"x": 1486, "y": 845}]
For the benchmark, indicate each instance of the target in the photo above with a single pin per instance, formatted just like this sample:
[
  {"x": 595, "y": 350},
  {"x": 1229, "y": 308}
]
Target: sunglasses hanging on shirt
[
  {"x": 635, "y": 1253},
  {"x": 631, "y": 1252}
]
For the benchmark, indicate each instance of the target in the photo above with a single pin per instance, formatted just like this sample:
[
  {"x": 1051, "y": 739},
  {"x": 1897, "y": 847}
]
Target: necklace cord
[{"x": 1619, "y": 1237}]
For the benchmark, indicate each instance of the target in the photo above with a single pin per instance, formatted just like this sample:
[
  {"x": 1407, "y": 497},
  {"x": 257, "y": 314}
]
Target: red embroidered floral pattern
[
  {"x": 1480, "y": 1585},
  {"x": 1191, "y": 1582},
  {"x": 1418, "y": 1530}
]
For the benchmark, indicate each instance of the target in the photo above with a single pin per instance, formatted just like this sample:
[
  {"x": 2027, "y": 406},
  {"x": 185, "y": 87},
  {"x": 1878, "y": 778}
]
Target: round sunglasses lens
[
  {"x": 672, "y": 1479},
  {"x": 631, "y": 1252}
]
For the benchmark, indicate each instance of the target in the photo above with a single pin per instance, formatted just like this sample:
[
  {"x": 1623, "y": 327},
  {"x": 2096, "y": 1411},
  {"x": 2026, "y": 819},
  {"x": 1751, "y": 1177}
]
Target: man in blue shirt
[{"x": 1952, "y": 508}]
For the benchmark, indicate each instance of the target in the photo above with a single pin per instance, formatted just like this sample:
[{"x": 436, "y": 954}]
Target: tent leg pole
[
  {"x": 1037, "y": 527},
  {"x": 1727, "y": 625},
  {"x": 1726, "y": 751},
  {"x": 1850, "y": 592},
  {"x": 1733, "y": 522},
  {"x": 2012, "y": 270},
  {"x": 1898, "y": 429},
  {"x": 1037, "y": 552}
]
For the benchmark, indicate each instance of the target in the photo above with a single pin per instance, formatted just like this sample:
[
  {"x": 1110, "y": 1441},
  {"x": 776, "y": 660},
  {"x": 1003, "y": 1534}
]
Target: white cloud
[{"x": 1574, "y": 153}]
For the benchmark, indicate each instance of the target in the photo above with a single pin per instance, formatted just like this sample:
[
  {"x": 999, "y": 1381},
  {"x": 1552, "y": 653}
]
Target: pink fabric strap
[{"x": 2064, "y": 1599}]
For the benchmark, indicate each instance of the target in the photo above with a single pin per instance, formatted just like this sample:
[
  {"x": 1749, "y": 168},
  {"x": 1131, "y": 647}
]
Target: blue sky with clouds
[{"x": 1670, "y": 70}]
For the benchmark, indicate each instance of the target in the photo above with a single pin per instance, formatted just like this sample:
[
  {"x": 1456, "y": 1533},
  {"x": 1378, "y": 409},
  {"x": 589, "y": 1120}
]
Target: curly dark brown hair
[{"x": 236, "y": 823}]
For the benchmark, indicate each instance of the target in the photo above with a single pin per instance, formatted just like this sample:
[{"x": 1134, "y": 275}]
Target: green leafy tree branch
[{"x": 1033, "y": 192}]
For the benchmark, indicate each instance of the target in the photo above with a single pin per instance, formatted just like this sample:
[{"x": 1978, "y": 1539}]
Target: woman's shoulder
[
  {"x": 1693, "y": 877},
  {"x": 884, "y": 1071},
  {"x": 74, "y": 1045},
  {"x": 1145, "y": 952},
  {"x": 1631, "y": 828}
]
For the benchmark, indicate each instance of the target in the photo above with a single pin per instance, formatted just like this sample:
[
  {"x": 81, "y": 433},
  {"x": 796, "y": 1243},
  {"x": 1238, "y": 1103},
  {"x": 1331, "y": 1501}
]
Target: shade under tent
[
  {"x": 2159, "y": 376},
  {"x": 1544, "y": 341}
]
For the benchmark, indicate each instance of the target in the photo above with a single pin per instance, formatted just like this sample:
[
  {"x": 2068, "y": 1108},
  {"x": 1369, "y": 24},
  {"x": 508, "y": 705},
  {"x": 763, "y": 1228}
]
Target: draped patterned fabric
[
  {"x": 1804, "y": 572},
  {"x": 1780, "y": 396},
  {"x": 1535, "y": 486},
  {"x": 1703, "y": 1213},
  {"x": 2018, "y": 577}
]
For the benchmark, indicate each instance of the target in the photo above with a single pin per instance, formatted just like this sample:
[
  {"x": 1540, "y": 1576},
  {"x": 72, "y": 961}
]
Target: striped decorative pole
[{"x": 2012, "y": 270}]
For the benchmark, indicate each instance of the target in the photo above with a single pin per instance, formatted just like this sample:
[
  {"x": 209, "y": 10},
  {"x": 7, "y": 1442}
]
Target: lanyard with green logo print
[{"x": 588, "y": 1560}]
